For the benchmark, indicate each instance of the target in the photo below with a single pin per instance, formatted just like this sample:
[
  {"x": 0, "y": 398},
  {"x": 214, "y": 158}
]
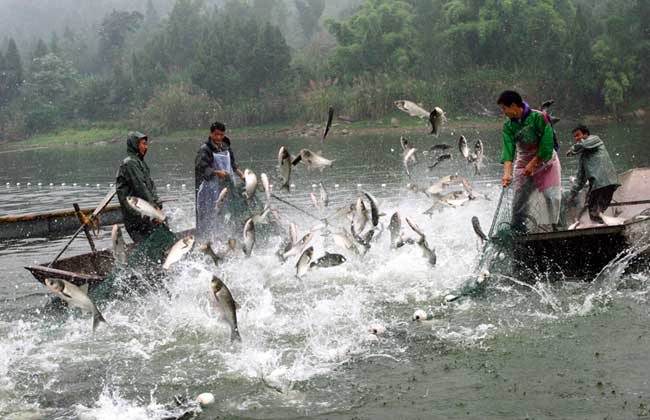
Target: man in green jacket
[
  {"x": 134, "y": 180},
  {"x": 595, "y": 166}
]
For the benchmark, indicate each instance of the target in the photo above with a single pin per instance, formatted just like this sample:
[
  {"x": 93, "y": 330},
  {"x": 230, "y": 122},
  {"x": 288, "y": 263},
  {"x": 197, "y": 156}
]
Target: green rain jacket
[
  {"x": 530, "y": 130},
  {"x": 594, "y": 165},
  {"x": 134, "y": 180}
]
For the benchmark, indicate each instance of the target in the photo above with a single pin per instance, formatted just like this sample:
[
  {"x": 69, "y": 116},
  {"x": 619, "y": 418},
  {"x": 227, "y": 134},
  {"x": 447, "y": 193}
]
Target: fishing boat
[
  {"x": 52, "y": 224},
  {"x": 586, "y": 248},
  {"x": 90, "y": 268}
]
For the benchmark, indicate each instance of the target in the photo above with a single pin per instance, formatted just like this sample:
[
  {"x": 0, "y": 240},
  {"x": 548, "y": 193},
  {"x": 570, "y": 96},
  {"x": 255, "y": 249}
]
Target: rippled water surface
[{"x": 562, "y": 350}]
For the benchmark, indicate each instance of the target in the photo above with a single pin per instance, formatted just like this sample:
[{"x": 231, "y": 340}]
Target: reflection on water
[{"x": 309, "y": 337}]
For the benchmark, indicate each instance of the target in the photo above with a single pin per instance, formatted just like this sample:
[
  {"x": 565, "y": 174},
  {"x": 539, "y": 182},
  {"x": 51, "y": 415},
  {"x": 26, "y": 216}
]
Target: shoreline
[{"x": 405, "y": 125}]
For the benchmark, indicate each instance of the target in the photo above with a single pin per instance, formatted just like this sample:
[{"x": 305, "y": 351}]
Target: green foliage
[
  {"x": 309, "y": 13},
  {"x": 375, "y": 39},
  {"x": 11, "y": 73},
  {"x": 113, "y": 32},
  {"x": 183, "y": 30},
  {"x": 40, "y": 49},
  {"x": 92, "y": 97},
  {"x": 178, "y": 107},
  {"x": 52, "y": 79},
  {"x": 41, "y": 118},
  {"x": 589, "y": 55},
  {"x": 151, "y": 17},
  {"x": 237, "y": 57}
]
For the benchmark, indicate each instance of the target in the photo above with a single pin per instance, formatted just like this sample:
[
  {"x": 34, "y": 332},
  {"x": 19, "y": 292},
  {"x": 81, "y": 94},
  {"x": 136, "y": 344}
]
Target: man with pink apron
[{"x": 529, "y": 142}]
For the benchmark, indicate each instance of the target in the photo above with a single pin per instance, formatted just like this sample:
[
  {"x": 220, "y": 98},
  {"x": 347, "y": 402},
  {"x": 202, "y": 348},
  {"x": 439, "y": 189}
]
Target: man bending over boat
[
  {"x": 528, "y": 141},
  {"x": 134, "y": 180},
  {"x": 595, "y": 166}
]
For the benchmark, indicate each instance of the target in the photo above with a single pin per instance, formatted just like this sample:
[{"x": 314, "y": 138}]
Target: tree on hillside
[
  {"x": 151, "y": 17},
  {"x": 52, "y": 78},
  {"x": 11, "y": 73},
  {"x": 271, "y": 55},
  {"x": 238, "y": 57},
  {"x": 40, "y": 49},
  {"x": 309, "y": 13},
  {"x": 580, "y": 75},
  {"x": 54, "y": 44},
  {"x": 377, "y": 38},
  {"x": 3, "y": 87},
  {"x": 113, "y": 32},
  {"x": 183, "y": 30}
]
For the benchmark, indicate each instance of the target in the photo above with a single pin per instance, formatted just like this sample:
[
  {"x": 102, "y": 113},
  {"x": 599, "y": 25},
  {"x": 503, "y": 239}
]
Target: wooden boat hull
[
  {"x": 578, "y": 253},
  {"x": 89, "y": 268},
  {"x": 53, "y": 224}
]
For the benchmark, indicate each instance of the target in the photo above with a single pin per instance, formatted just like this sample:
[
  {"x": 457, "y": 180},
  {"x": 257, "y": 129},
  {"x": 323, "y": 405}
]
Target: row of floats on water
[{"x": 167, "y": 186}]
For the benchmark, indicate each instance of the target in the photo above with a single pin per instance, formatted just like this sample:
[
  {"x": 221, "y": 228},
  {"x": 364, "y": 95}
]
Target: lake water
[{"x": 574, "y": 350}]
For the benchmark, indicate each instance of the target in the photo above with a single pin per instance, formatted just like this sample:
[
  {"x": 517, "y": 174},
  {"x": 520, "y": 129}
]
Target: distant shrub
[
  {"x": 178, "y": 107},
  {"x": 41, "y": 119},
  {"x": 12, "y": 123}
]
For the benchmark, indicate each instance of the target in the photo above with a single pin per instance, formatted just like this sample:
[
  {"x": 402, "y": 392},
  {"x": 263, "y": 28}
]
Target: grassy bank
[{"x": 393, "y": 123}]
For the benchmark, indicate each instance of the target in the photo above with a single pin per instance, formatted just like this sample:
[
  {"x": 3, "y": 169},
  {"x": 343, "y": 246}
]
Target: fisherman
[
  {"x": 214, "y": 168},
  {"x": 595, "y": 166},
  {"x": 134, "y": 180},
  {"x": 537, "y": 169}
]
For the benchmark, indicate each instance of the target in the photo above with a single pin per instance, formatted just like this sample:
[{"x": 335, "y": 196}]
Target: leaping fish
[
  {"x": 476, "y": 225},
  {"x": 330, "y": 116},
  {"x": 250, "y": 180},
  {"x": 221, "y": 200},
  {"x": 324, "y": 196},
  {"x": 226, "y": 305},
  {"x": 407, "y": 158},
  {"x": 312, "y": 160},
  {"x": 302, "y": 266},
  {"x": 478, "y": 154},
  {"x": 249, "y": 237},
  {"x": 411, "y": 108},
  {"x": 180, "y": 248},
  {"x": 462, "y": 147},
  {"x": 437, "y": 118},
  {"x": 284, "y": 168},
  {"x": 145, "y": 208},
  {"x": 119, "y": 246},
  {"x": 74, "y": 296}
]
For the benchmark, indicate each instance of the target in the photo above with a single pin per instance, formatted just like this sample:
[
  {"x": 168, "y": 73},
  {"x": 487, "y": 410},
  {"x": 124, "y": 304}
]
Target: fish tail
[
  {"x": 234, "y": 335},
  {"x": 97, "y": 319}
]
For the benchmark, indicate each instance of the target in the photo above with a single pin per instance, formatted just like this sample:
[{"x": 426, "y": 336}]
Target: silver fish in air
[
  {"x": 76, "y": 297},
  {"x": 226, "y": 305}
]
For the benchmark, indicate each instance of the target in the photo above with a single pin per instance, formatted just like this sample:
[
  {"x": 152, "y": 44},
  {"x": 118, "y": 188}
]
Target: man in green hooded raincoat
[{"x": 134, "y": 180}]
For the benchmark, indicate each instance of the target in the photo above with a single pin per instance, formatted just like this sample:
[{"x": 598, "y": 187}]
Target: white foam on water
[
  {"x": 111, "y": 405},
  {"x": 293, "y": 330}
]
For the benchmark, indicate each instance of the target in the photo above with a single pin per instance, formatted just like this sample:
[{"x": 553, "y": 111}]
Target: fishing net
[
  {"x": 142, "y": 269},
  {"x": 499, "y": 241},
  {"x": 501, "y": 221},
  {"x": 511, "y": 218}
]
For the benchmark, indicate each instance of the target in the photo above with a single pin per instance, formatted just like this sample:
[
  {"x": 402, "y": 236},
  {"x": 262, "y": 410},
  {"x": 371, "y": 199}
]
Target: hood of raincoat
[{"x": 132, "y": 142}]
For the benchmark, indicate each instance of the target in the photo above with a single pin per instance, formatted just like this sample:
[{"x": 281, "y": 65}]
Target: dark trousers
[{"x": 599, "y": 200}]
